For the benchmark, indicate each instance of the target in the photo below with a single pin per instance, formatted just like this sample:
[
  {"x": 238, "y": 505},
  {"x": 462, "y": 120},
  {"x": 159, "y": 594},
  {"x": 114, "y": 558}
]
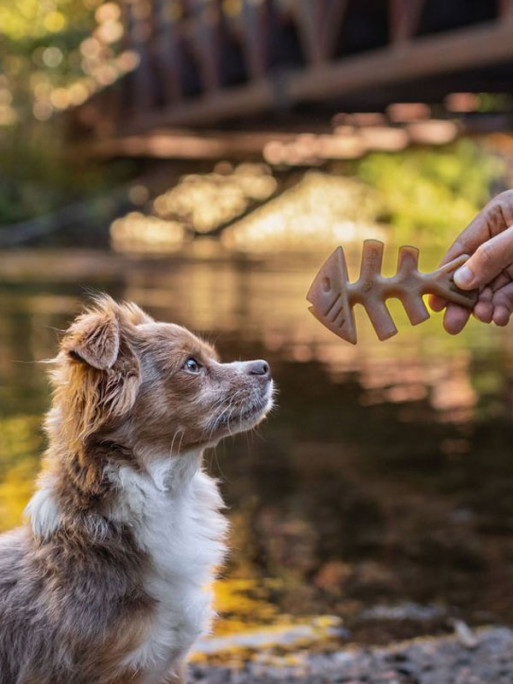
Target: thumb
[{"x": 487, "y": 262}]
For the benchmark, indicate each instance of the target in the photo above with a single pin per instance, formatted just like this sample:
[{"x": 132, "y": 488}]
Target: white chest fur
[{"x": 174, "y": 509}]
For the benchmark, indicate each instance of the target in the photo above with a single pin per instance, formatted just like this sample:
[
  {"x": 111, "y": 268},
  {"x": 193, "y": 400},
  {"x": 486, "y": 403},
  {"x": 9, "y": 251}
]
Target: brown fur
[{"x": 73, "y": 602}]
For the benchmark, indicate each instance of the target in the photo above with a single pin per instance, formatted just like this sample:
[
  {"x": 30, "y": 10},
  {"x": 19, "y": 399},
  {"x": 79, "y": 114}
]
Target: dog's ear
[
  {"x": 99, "y": 375},
  {"x": 94, "y": 338}
]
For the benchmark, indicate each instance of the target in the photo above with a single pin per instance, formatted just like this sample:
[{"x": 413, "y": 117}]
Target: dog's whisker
[{"x": 171, "y": 452}]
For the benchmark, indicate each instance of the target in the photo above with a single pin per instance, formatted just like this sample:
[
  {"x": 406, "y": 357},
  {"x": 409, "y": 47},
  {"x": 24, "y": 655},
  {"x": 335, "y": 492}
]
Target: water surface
[{"x": 381, "y": 489}]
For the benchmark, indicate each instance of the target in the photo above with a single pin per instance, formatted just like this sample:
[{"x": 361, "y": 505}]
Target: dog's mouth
[
  {"x": 244, "y": 416},
  {"x": 255, "y": 412}
]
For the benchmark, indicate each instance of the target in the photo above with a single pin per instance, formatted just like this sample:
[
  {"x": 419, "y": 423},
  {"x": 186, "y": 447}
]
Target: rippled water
[{"x": 380, "y": 491}]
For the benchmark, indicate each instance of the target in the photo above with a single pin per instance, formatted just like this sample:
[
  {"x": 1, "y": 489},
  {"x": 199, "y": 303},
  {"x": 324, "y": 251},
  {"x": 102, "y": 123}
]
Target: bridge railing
[{"x": 204, "y": 61}]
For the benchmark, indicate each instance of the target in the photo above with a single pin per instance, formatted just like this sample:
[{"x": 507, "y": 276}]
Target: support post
[
  {"x": 168, "y": 53},
  {"x": 506, "y": 8},
  {"x": 319, "y": 26},
  {"x": 207, "y": 42},
  {"x": 254, "y": 37},
  {"x": 404, "y": 17}
]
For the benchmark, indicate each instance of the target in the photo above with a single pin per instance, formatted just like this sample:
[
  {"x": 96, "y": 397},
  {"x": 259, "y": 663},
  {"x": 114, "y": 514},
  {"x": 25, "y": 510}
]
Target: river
[{"x": 380, "y": 491}]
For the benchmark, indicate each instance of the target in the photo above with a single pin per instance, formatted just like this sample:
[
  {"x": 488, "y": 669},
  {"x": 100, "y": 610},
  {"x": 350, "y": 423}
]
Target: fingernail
[{"x": 463, "y": 277}]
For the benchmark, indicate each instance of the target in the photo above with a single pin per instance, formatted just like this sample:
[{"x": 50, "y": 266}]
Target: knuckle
[
  {"x": 459, "y": 246},
  {"x": 486, "y": 255},
  {"x": 505, "y": 198},
  {"x": 502, "y": 208},
  {"x": 504, "y": 299}
]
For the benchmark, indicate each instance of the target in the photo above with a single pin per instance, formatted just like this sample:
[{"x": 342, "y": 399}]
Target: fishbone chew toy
[{"x": 333, "y": 296}]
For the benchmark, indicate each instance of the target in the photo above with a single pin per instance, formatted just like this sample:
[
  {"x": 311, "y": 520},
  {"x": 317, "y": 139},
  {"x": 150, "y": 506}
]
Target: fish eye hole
[{"x": 192, "y": 366}]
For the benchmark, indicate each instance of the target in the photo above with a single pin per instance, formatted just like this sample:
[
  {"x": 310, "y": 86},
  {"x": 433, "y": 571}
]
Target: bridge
[{"x": 209, "y": 64}]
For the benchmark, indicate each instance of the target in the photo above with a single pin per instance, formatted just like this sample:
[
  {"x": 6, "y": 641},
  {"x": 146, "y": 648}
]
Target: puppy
[{"x": 107, "y": 583}]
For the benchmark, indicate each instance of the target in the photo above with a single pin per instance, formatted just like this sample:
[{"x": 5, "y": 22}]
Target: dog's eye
[{"x": 192, "y": 366}]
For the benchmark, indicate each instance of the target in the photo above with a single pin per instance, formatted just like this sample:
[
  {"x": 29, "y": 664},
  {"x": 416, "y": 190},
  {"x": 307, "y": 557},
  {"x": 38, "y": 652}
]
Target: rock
[{"x": 430, "y": 660}]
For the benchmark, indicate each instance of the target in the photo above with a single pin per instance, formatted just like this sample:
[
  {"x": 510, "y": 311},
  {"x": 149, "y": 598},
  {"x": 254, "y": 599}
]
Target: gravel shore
[{"x": 485, "y": 658}]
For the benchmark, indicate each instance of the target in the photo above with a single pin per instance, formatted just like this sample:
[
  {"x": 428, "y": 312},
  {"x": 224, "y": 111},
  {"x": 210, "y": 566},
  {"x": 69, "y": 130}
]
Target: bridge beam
[
  {"x": 423, "y": 57},
  {"x": 427, "y": 56}
]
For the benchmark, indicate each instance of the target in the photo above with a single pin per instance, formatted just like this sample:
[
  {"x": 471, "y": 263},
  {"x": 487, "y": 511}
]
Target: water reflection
[{"x": 385, "y": 478}]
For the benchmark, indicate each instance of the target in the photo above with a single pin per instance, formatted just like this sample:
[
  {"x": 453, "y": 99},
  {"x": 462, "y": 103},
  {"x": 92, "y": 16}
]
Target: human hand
[{"x": 489, "y": 242}]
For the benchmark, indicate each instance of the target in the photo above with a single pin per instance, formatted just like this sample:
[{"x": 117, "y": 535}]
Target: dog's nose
[{"x": 259, "y": 368}]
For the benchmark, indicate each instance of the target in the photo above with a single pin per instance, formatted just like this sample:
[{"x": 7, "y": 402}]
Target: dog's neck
[
  {"x": 85, "y": 484},
  {"x": 169, "y": 472}
]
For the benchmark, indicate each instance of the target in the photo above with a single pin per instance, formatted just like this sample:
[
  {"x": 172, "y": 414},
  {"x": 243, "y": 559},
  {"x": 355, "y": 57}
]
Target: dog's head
[{"x": 149, "y": 385}]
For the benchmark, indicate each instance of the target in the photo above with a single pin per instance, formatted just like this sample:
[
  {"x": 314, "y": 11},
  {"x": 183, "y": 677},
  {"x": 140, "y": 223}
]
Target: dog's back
[
  {"x": 15, "y": 610},
  {"x": 71, "y": 607}
]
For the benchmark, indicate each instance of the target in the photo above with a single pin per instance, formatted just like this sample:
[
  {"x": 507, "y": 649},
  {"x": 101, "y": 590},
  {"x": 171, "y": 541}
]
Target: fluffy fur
[{"x": 108, "y": 580}]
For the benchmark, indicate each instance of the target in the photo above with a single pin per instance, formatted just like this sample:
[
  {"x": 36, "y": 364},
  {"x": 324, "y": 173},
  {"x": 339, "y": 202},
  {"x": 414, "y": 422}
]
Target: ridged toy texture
[{"x": 333, "y": 297}]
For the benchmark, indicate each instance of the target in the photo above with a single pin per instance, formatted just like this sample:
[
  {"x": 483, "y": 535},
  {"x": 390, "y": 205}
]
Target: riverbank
[{"x": 481, "y": 657}]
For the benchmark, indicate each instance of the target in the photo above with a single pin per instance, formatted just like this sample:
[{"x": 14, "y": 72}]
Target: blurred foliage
[
  {"x": 36, "y": 18},
  {"x": 29, "y": 178},
  {"x": 243, "y": 603},
  {"x": 41, "y": 173},
  {"x": 432, "y": 193},
  {"x": 15, "y": 491},
  {"x": 37, "y": 175},
  {"x": 54, "y": 55},
  {"x": 21, "y": 442},
  {"x": 40, "y": 54}
]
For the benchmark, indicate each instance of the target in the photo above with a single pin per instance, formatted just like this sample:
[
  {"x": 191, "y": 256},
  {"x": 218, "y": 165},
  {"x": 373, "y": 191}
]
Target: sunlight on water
[{"x": 385, "y": 476}]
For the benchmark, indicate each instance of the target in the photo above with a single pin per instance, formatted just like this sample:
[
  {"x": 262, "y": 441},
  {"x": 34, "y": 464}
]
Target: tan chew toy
[{"x": 333, "y": 297}]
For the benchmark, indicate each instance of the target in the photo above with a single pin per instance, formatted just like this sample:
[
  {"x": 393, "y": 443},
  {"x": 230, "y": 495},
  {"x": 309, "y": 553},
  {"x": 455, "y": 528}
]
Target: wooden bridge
[{"x": 209, "y": 63}]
